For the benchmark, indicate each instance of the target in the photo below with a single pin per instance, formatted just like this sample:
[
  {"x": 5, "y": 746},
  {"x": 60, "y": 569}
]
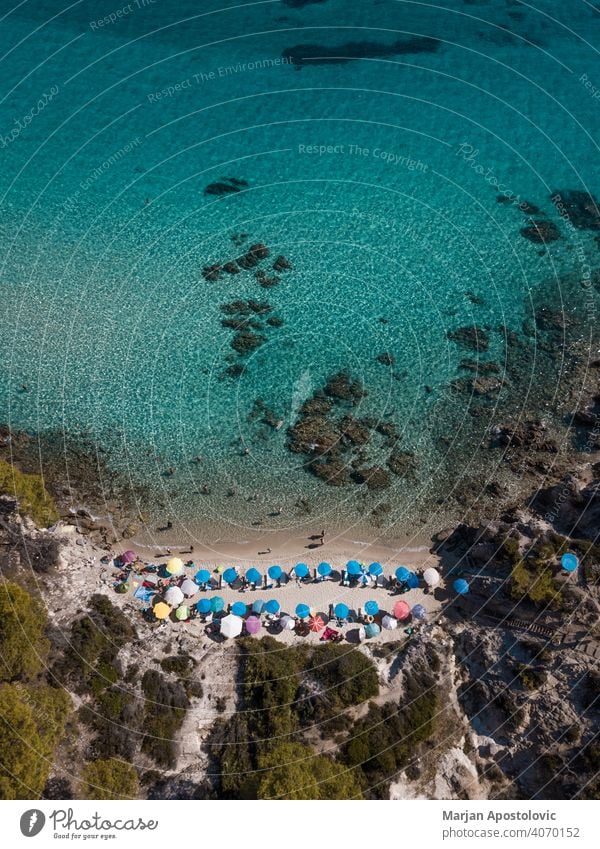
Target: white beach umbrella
[
  {"x": 431, "y": 577},
  {"x": 287, "y": 623},
  {"x": 389, "y": 623},
  {"x": 231, "y": 626},
  {"x": 174, "y": 596},
  {"x": 189, "y": 588},
  {"x": 361, "y": 634}
]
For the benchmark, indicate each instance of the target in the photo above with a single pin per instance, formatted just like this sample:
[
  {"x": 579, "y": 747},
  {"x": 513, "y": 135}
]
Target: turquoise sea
[{"x": 369, "y": 141}]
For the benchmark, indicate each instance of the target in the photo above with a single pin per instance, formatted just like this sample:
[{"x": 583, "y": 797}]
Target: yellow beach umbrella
[
  {"x": 161, "y": 610},
  {"x": 175, "y": 566}
]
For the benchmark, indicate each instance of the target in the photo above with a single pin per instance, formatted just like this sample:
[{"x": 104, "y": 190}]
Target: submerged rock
[
  {"x": 342, "y": 386},
  {"x": 386, "y": 359},
  {"x": 472, "y": 337},
  {"x": 281, "y": 264},
  {"x": 374, "y": 477},
  {"x": 582, "y": 208},
  {"x": 244, "y": 342},
  {"x": 541, "y": 232},
  {"x": 402, "y": 463}
]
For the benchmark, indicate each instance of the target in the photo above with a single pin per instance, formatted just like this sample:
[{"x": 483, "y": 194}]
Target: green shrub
[
  {"x": 109, "y": 779},
  {"x": 23, "y": 644},
  {"x": 31, "y": 494}
]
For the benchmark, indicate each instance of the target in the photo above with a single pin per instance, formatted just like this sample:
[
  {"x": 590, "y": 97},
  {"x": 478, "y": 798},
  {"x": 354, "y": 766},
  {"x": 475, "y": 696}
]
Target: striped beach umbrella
[{"x": 315, "y": 624}]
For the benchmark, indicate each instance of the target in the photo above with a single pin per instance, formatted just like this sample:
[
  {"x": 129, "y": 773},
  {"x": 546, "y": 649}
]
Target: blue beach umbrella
[
  {"x": 275, "y": 572},
  {"x": 353, "y": 567},
  {"x": 272, "y": 606},
  {"x": 372, "y": 629},
  {"x": 375, "y": 569},
  {"x": 301, "y": 570},
  {"x": 217, "y": 604},
  {"x": 230, "y": 575},
  {"x": 258, "y": 605},
  {"x": 238, "y": 608},
  {"x": 302, "y": 611},
  {"x": 202, "y": 576},
  {"x": 341, "y": 611},
  {"x": 253, "y": 576},
  {"x": 371, "y": 608},
  {"x": 203, "y": 606},
  {"x": 569, "y": 562},
  {"x": 412, "y": 581},
  {"x": 403, "y": 574},
  {"x": 419, "y": 611},
  {"x": 324, "y": 569},
  {"x": 461, "y": 586}
]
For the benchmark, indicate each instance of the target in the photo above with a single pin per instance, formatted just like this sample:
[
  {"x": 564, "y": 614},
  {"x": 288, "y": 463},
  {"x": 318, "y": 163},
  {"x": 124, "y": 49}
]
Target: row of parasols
[{"x": 354, "y": 570}]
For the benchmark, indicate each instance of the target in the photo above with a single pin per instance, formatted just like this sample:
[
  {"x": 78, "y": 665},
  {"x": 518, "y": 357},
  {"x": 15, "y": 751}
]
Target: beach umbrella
[
  {"x": 258, "y": 605},
  {"x": 231, "y": 626},
  {"x": 275, "y": 572},
  {"x": 161, "y": 610},
  {"x": 238, "y": 608},
  {"x": 253, "y": 624},
  {"x": 189, "y": 588},
  {"x": 204, "y": 605},
  {"x": 217, "y": 604},
  {"x": 431, "y": 577},
  {"x": 174, "y": 596},
  {"x": 341, "y": 611},
  {"x": 401, "y": 610},
  {"x": 371, "y": 629},
  {"x": 389, "y": 623},
  {"x": 375, "y": 569},
  {"x": 461, "y": 586},
  {"x": 230, "y": 575},
  {"x": 324, "y": 569},
  {"x": 301, "y": 570},
  {"x": 182, "y": 613},
  {"x": 174, "y": 566},
  {"x": 315, "y": 624},
  {"x": 272, "y": 606},
  {"x": 287, "y": 623},
  {"x": 569, "y": 562},
  {"x": 302, "y": 611},
  {"x": 403, "y": 574},
  {"x": 412, "y": 582},
  {"x": 253, "y": 576},
  {"x": 202, "y": 576},
  {"x": 353, "y": 567},
  {"x": 419, "y": 611},
  {"x": 371, "y": 608},
  {"x": 128, "y": 557}
]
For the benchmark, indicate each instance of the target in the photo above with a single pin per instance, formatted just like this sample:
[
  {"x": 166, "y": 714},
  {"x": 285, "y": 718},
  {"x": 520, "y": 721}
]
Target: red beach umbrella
[
  {"x": 401, "y": 610},
  {"x": 315, "y": 624}
]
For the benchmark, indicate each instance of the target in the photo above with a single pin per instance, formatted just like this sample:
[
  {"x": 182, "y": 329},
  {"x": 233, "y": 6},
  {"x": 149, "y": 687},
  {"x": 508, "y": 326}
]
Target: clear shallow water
[{"x": 105, "y": 225}]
